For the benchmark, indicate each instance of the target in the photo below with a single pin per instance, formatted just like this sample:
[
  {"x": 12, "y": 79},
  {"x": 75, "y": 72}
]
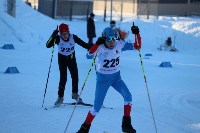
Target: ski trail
[
  {"x": 158, "y": 62},
  {"x": 12, "y": 29}
]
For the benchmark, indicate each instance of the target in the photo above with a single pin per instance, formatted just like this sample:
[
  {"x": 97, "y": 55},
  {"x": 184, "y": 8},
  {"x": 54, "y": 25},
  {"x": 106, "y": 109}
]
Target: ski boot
[
  {"x": 126, "y": 125},
  {"x": 59, "y": 101},
  {"x": 84, "y": 128},
  {"x": 77, "y": 97}
]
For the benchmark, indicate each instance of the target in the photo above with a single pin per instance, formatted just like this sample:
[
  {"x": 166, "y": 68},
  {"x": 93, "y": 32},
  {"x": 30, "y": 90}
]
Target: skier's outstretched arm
[{"x": 81, "y": 42}]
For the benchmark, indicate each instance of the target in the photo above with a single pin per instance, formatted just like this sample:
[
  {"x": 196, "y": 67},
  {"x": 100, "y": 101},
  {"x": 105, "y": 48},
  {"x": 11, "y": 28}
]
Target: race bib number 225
[{"x": 111, "y": 63}]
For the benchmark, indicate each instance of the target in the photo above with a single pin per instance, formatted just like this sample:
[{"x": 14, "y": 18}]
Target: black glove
[
  {"x": 100, "y": 41},
  {"x": 135, "y": 29},
  {"x": 90, "y": 46},
  {"x": 54, "y": 34}
]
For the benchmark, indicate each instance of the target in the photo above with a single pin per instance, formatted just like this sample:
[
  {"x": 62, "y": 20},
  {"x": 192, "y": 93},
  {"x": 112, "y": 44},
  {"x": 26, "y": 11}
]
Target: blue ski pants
[{"x": 103, "y": 82}]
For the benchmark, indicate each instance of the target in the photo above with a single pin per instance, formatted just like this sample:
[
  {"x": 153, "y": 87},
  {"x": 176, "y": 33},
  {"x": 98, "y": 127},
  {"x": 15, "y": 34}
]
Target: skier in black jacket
[{"x": 66, "y": 59}]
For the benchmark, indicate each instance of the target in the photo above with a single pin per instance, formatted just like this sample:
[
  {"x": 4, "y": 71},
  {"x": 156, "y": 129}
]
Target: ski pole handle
[{"x": 135, "y": 31}]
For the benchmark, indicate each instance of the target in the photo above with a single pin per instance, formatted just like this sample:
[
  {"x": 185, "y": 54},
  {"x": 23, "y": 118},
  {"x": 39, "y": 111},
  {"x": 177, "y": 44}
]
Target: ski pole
[
  {"x": 48, "y": 76},
  {"x": 49, "y": 69},
  {"x": 93, "y": 63},
  {"x": 145, "y": 80}
]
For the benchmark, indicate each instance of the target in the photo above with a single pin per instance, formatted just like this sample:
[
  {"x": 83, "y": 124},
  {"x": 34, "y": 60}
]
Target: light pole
[
  {"x": 111, "y": 2},
  {"x": 105, "y": 6},
  {"x": 121, "y": 10},
  {"x": 148, "y": 8},
  {"x": 55, "y": 9},
  {"x": 188, "y": 8}
]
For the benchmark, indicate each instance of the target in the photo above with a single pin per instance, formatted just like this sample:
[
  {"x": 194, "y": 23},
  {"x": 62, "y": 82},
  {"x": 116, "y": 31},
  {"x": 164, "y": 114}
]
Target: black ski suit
[{"x": 67, "y": 59}]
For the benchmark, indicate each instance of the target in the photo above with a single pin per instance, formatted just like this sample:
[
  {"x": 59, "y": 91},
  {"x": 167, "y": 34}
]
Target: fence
[
  {"x": 116, "y": 9},
  {"x": 66, "y": 9}
]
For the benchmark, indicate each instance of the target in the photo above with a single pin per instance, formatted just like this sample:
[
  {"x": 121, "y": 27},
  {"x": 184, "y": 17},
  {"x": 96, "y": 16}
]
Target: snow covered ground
[{"x": 175, "y": 92}]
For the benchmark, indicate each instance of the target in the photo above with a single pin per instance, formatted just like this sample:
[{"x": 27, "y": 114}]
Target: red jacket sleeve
[{"x": 93, "y": 49}]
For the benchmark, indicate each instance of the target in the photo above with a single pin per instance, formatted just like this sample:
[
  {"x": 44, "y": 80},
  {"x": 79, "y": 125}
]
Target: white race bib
[
  {"x": 66, "y": 48},
  {"x": 109, "y": 59}
]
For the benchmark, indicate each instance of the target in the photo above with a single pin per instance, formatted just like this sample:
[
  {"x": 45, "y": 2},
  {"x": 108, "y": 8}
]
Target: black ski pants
[{"x": 69, "y": 62}]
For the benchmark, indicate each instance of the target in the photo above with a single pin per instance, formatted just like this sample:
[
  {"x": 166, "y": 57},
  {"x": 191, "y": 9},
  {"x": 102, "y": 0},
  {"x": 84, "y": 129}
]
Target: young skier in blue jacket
[{"x": 108, "y": 51}]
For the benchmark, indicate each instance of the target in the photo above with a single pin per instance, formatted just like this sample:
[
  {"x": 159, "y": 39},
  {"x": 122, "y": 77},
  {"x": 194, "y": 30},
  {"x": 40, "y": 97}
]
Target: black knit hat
[
  {"x": 112, "y": 22},
  {"x": 92, "y": 15}
]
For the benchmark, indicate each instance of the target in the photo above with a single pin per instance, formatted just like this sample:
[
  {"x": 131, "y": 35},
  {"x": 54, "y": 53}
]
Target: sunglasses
[{"x": 110, "y": 38}]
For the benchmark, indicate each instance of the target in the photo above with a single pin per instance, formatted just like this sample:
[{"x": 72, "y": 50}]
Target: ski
[
  {"x": 74, "y": 103},
  {"x": 112, "y": 132},
  {"x": 85, "y": 104},
  {"x": 105, "y": 107},
  {"x": 79, "y": 103}
]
